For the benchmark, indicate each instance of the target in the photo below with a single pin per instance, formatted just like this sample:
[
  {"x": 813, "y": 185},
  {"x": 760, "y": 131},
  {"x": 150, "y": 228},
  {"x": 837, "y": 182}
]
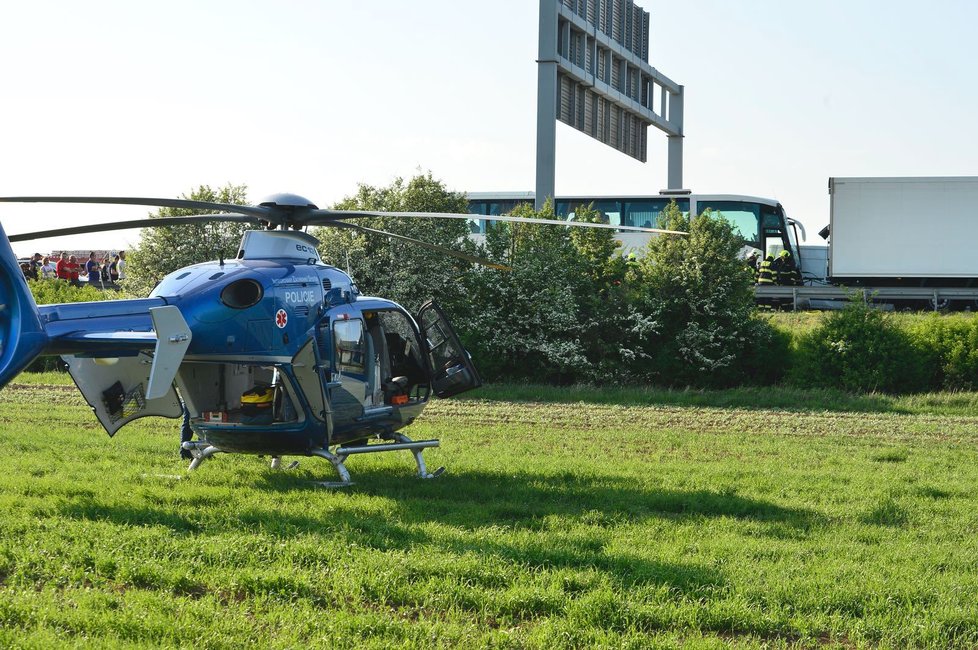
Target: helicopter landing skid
[
  {"x": 200, "y": 451},
  {"x": 277, "y": 464},
  {"x": 401, "y": 442}
]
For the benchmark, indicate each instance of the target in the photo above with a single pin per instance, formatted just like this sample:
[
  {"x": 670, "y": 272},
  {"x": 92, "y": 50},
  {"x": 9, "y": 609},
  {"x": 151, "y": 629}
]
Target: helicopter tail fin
[{"x": 22, "y": 336}]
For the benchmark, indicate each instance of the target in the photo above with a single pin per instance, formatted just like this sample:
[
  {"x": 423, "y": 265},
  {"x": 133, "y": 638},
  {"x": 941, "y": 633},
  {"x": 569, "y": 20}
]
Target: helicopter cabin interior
[
  {"x": 238, "y": 393},
  {"x": 364, "y": 364}
]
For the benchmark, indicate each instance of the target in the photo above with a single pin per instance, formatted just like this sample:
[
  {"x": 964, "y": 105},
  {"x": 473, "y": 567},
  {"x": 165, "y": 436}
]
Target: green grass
[
  {"x": 566, "y": 519},
  {"x": 755, "y": 398},
  {"x": 50, "y": 378},
  {"x": 766, "y": 397}
]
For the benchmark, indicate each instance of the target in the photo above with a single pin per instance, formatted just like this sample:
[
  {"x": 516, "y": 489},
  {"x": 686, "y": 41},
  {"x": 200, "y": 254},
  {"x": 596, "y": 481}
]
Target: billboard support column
[
  {"x": 546, "y": 103},
  {"x": 675, "y": 171}
]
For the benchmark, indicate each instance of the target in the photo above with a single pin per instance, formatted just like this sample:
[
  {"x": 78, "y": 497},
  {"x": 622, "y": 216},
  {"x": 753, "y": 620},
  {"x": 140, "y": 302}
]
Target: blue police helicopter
[{"x": 272, "y": 353}]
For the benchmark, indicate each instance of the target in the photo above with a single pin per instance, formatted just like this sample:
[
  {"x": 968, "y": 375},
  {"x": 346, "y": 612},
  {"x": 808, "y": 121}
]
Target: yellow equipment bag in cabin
[{"x": 257, "y": 404}]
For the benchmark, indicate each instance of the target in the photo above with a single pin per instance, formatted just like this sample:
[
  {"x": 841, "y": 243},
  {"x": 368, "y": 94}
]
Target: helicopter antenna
[{"x": 390, "y": 276}]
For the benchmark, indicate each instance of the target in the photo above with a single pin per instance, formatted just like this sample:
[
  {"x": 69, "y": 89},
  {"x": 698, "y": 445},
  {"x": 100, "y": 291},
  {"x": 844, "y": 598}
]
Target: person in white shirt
[
  {"x": 48, "y": 271},
  {"x": 121, "y": 265}
]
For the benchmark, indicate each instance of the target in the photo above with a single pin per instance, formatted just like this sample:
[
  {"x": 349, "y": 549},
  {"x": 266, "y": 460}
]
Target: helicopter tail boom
[
  {"x": 95, "y": 329},
  {"x": 22, "y": 336}
]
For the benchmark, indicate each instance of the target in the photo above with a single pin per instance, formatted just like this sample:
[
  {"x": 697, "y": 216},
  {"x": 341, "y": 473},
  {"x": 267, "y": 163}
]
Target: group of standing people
[
  {"x": 37, "y": 268},
  {"x": 96, "y": 272},
  {"x": 775, "y": 270}
]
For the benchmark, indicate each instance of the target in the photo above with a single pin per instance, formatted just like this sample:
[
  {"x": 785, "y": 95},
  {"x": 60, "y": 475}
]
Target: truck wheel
[{"x": 938, "y": 304}]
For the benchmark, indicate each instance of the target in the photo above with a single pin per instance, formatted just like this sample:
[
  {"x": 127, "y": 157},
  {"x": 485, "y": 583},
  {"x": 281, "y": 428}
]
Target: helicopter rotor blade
[
  {"x": 258, "y": 211},
  {"x": 434, "y": 247},
  {"x": 329, "y": 217},
  {"x": 159, "y": 222},
  {"x": 308, "y": 215}
]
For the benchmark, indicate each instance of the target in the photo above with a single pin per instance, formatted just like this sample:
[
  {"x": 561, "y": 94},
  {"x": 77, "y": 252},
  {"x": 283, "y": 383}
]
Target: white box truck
[{"x": 908, "y": 232}]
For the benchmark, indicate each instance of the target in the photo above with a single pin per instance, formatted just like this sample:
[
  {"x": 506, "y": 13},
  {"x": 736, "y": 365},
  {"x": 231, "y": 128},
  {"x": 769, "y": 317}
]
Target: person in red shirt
[
  {"x": 73, "y": 270},
  {"x": 62, "y": 267}
]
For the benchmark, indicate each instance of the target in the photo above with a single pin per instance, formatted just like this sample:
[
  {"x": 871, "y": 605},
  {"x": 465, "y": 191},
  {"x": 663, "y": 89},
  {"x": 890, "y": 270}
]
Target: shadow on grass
[
  {"x": 473, "y": 499},
  {"x": 536, "y": 521},
  {"x": 476, "y": 499},
  {"x": 129, "y": 515}
]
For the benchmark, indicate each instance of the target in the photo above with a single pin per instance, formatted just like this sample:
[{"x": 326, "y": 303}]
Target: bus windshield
[{"x": 744, "y": 216}]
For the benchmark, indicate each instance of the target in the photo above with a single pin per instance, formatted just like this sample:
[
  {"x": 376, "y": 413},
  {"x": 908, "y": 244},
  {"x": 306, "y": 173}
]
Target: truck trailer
[
  {"x": 907, "y": 242},
  {"x": 903, "y": 231}
]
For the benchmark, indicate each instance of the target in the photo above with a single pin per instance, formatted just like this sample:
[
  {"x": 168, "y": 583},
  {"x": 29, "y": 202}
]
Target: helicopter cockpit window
[
  {"x": 350, "y": 348},
  {"x": 444, "y": 353}
]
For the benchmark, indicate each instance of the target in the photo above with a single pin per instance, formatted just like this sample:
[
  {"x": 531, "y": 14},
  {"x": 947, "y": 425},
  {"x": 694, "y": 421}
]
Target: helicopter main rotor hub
[{"x": 284, "y": 207}]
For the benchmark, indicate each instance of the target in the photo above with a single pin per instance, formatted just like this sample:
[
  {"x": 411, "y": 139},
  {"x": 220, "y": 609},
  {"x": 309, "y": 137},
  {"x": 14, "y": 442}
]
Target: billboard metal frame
[{"x": 593, "y": 74}]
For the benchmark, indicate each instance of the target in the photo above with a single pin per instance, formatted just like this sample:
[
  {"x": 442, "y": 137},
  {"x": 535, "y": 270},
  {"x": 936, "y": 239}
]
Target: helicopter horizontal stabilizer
[
  {"x": 22, "y": 337},
  {"x": 172, "y": 340},
  {"x": 118, "y": 340},
  {"x": 169, "y": 341}
]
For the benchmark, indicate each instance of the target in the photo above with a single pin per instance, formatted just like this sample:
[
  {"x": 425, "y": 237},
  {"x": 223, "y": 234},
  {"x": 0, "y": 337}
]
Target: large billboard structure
[{"x": 593, "y": 74}]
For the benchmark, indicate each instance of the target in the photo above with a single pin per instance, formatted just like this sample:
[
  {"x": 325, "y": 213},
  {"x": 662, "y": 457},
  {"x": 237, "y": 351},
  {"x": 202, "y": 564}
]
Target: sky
[{"x": 122, "y": 98}]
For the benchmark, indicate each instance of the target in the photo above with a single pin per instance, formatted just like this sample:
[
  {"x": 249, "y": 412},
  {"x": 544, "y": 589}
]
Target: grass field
[{"x": 567, "y": 518}]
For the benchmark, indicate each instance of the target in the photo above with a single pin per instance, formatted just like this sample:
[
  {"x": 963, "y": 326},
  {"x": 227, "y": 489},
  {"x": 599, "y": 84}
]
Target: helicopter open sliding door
[
  {"x": 308, "y": 369},
  {"x": 452, "y": 370},
  {"x": 351, "y": 369}
]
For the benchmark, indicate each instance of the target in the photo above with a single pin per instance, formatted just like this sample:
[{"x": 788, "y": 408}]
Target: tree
[
  {"x": 163, "y": 250},
  {"x": 700, "y": 295},
  {"x": 561, "y": 314},
  {"x": 401, "y": 271},
  {"x": 609, "y": 323},
  {"x": 524, "y": 323}
]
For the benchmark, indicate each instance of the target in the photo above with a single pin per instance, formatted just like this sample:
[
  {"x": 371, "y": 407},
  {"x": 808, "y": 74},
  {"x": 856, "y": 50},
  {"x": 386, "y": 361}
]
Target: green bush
[
  {"x": 50, "y": 292},
  {"x": 767, "y": 354},
  {"x": 164, "y": 250},
  {"x": 953, "y": 340},
  {"x": 534, "y": 322},
  {"x": 860, "y": 349},
  {"x": 403, "y": 272},
  {"x": 701, "y": 297}
]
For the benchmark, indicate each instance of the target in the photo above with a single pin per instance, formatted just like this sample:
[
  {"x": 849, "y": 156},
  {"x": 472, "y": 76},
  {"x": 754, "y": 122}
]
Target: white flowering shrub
[{"x": 700, "y": 294}]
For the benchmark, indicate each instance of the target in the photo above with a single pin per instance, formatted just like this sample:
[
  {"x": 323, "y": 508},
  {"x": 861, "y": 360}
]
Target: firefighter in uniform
[
  {"x": 786, "y": 270},
  {"x": 751, "y": 264},
  {"x": 767, "y": 274}
]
